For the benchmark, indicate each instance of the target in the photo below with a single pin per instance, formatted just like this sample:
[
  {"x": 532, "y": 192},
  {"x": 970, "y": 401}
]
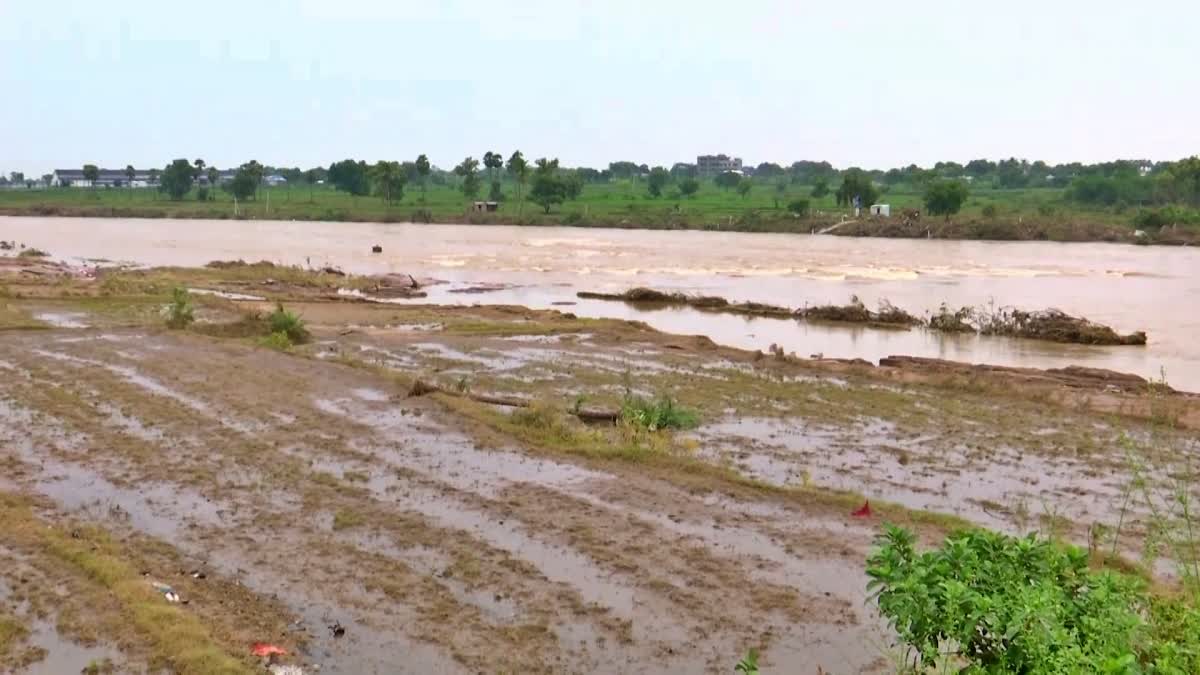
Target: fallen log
[{"x": 423, "y": 388}]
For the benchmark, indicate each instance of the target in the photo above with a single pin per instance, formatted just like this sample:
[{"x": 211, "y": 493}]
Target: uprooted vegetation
[
  {"x": 1052, "y": 325},
  {"x": 710, "y": 303},
  {"x": 1049, "y": 324},
  {"x": 856, "y": 312}
]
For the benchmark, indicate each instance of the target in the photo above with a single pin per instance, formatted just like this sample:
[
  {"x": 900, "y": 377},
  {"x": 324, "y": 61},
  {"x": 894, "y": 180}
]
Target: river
[{"x": 1155, "y": 289}]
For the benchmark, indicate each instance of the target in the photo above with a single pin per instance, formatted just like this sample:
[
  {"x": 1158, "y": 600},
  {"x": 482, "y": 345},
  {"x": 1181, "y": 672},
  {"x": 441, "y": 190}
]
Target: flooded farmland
[
  {"x": 429, "y": 486},
  {"x": 1128, "y": 287}
]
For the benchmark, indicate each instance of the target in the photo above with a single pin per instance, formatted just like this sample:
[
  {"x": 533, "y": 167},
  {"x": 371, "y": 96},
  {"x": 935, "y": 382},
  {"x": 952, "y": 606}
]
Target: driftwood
[{"x": 423, "y": 388}]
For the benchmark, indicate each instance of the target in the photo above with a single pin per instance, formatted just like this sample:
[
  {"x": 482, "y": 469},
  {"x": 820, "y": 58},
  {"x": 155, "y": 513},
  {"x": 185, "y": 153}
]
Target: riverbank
[{"x": 1064, "y": 224}]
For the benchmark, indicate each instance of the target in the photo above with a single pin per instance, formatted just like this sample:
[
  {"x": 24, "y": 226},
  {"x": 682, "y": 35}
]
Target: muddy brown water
[{"x": 1129, "y": 287}]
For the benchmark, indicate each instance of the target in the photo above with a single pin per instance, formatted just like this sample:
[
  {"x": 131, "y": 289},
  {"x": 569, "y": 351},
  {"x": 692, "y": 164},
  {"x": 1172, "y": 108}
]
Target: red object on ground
[
  {"x": 863, "y": 511},
  {"x": 264, "y": 649}
]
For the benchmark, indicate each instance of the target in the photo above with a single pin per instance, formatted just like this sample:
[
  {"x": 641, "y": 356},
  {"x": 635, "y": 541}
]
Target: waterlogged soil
[
  {"x": 312, "y": 481},
  {"x": 322, "y": 486}
]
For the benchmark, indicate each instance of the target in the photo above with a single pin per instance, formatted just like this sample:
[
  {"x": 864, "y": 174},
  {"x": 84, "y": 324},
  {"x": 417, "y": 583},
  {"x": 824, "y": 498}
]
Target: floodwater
[{"x": 1131, "y": 288}]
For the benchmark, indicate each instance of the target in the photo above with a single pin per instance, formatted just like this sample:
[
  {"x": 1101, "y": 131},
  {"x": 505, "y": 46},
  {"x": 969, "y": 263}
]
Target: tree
[
  {"x": 548, "y": 187},
  {"x": 493, "y": 162},
  {"x": 945, "y": 197},
  {"x": 518, "y": 168},
  {"x": 768, "y": 170},
  {"x": 243, "y": 184},
  {"x": 199, "y": 164},
  {"x": 657, "y": 180},
  {"x": 495, "y": 194},
  {"x": 214, "y": 176},
  {"x": 780, "y": 191},
  {"x": 623, "y": 169},
  {"x": 177, "y": 179},
  {"x": 350, "y": 176},
  {"x": 743, "y": 187},
  {"x": 572, "y": 185},
  {"x": 389, "y": 180},
  {"x": 727, "y": 180},
  {"x": 683, "y": 170},
  {"x": 130, "y": 172},
  {"x": 47, "y": 178},
  {"x": 688, "y": 187},
  {"x": 856, "y": 183},
  {"x": 979, "y": 167},
  {"x": 423, "y": 168},
  {"x": 91, "y": 173},
  {"x": 469, "y": 171}
]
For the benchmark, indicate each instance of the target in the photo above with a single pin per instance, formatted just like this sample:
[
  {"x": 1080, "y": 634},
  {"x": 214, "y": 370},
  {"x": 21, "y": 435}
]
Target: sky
[{"x": 872, "y": 83}]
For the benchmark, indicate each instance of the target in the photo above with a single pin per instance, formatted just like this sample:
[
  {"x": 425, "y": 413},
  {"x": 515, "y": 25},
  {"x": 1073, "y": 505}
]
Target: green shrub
[
  {"x": 289, "y": 324},
  {"x": 278, "y": 341},
  {"x": 1009, "y": 605},
  {"x": 798, "y": 207},
  {"x": 202, "y": 194},
  {"x": 989, "y": 211},
  {"x": 656, "y": 414},
  {"x": 180, "y": 313},
  {"x": 32, "y": 253}
]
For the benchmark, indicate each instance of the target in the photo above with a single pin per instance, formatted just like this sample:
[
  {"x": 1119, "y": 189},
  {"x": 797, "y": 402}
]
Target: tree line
[{"x": 546, "y": 183}]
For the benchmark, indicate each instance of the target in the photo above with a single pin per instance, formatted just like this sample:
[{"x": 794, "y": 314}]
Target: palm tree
[
  {"x": 519, "y": 169},
  {"x": 129, "y": 174},
  {"x": 423, "y": 171}
]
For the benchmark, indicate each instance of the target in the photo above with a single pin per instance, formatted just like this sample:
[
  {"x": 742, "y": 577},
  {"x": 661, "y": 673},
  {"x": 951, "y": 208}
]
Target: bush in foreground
[
  {"x": 289, "y": 324},
  {"x": 991, "y": 603}
]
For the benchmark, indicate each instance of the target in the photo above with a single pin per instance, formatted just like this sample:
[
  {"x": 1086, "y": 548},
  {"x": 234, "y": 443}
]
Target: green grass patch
[
  {"x": 656, "y": 414},
  {"x": 345, "y": 519},
  {"x": 178, "y": 641}
]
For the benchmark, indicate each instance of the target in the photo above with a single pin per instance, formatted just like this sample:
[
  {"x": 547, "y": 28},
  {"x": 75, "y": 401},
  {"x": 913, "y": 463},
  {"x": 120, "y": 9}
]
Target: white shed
[{"x": 884, "y": 210}]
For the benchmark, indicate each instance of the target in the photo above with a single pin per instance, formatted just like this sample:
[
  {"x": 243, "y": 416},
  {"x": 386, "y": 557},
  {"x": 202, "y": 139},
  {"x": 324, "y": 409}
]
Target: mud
[{"x": 446, "y": 538}]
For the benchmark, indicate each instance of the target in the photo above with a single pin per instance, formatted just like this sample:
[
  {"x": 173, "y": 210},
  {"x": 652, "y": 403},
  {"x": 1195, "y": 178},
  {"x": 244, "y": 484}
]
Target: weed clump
[
  {"x": 180, "y": 313},
  {"x": 657, "y": 414},
  {"x": 281, "y": 321},
  {"x": 33, "y": 253},
  {"x": 276, "y": 341}
]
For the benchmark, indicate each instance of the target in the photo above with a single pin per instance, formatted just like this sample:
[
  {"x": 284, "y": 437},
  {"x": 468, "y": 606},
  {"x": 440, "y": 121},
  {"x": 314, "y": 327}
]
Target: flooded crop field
[{"x": 428, "y": 488}]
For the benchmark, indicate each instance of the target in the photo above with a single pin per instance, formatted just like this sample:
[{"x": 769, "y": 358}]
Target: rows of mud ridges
[{"x": 308, "y": 482}]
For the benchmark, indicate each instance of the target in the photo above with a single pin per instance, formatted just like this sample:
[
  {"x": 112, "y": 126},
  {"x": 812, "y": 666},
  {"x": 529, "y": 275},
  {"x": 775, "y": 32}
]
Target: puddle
[
  {"x": 63, "y": 319},
  {"x": 64, "y": 656},
  {"x": 417, "y": 443},
  {"x": 999, "y": 486}
]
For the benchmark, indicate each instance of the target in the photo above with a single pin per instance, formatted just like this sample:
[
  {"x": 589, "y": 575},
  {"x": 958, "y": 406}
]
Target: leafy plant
[
  {"x": 655, "y": 414},
  {"x": 278, "y": 341},
  {"x": 180, "y": 313},
  {"x": 32, "y": 253},
  {"x": 749, "y": 663},
  {"x": 1025, "y": 605},
  {"x": 289, "y": 324}
]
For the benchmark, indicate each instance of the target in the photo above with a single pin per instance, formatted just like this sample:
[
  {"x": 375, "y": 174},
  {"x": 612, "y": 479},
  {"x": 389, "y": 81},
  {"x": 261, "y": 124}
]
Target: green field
[{"x": 1028, "y": 213}]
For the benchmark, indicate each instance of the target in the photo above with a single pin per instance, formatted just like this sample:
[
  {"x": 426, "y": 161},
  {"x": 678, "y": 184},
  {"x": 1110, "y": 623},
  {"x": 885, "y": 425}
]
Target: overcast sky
[{"x": 872, "y": 83}]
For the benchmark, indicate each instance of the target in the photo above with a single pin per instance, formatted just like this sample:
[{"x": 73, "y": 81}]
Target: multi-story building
[{"x": 711, "y": 165}]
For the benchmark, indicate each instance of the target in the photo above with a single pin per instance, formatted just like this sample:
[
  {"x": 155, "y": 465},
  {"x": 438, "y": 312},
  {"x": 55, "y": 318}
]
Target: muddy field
[{"x": 303, "y": 498}]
